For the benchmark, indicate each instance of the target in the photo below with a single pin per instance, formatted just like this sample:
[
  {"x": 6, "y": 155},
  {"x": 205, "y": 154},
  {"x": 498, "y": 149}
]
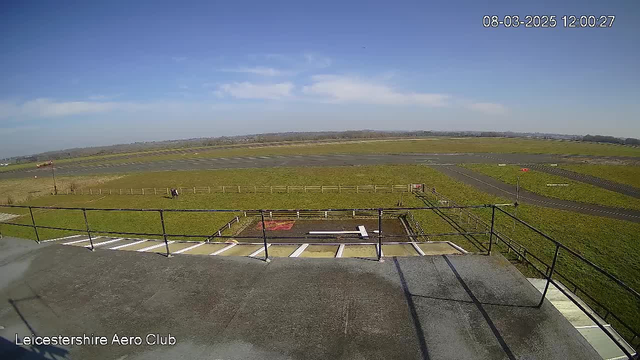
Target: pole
[
  {"x": 493, "y": 219},
  {"x": 380, "y": 235},
  {"x": 553, "y": 265},
  {"x": 86, "y": 222},
  {"x": 264, "y": 238},
  {"x": 53, "y": 172},
  {"x": 517, "y": 201},
  {"x": 164, "y": 233},
  {"x": 35, "y": 228}
]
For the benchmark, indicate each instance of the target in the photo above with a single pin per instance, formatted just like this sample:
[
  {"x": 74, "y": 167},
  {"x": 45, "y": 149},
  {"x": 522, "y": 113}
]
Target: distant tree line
[{"x": 611, "y": 140}]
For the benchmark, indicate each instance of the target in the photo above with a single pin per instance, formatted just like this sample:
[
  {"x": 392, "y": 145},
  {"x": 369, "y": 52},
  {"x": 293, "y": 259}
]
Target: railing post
[
  {"x": 380, "y": 235},
  {"x": 553, "y": 265},
  {"x": 35, "y": 228},
  {"x": 493, "y": 219},
  {"x": 86, "y": 222},
  {"x": 164, "y": 232},
  {"x": 264, "y": 237}
]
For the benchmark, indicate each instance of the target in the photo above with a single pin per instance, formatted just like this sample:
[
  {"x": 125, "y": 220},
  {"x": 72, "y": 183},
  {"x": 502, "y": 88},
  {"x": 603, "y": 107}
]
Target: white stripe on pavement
[
  {"x": 104, "y": 242},
  {"x": 223, "y": 249},
  {"x": 77, "y": 241},
  {"x": 255, "y": 253},
  {"x": 154, "y": 246},
  {"x": 62, "y": 238},
  {"x": 125, "y": 245},
  {"x": 299, "y": 250},
  {"x": 189, "y": 248},
  {"x": 415, "y": 246},
  {"x": 340, "y": 250}
]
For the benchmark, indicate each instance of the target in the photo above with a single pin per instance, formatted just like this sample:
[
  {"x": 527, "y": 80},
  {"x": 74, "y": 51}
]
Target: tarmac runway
[{"x": 268, "y": 161}]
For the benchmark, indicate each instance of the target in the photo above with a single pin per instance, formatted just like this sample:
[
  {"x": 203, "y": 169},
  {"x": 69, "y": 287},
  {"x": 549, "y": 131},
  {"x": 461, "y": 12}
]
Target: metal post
[
  {"x": 553, "y": 265},
  {"x": 264, "y": 238},
  {"x": 86, "y": 222},
  {"x": 35, "y": 228},
  {"x": 164, "y": 233},
  {"x": 380, "y": 235},
  {"x": 53, "y": 172},
  {"x": 493, "y": 219}
]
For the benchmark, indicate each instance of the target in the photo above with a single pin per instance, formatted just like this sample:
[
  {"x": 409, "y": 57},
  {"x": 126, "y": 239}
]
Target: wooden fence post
[
  {"x": 142, "y": 191},
  {"x": 238, "y": 189},
  {"x": 255, "y": 189},
  {"x": 209, "y": 187},
  {"x": 223, "y": 189}
]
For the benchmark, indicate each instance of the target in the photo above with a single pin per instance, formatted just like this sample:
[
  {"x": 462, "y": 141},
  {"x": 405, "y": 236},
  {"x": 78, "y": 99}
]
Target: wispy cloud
[
  {"x": 100, "y": 97},
  {"x": 47, "y": 108},
  {"x": 344, "y": 89},
  {"x": 258, "y": 70},
  {"x": 247, "y": 90},
  {"x": 488, "y": 108}
]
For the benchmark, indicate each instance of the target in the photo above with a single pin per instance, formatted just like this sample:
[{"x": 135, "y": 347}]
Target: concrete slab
[
  {"x": 281, "y": 250},
  {"x": 399, "y": 250},
  {"x": 241, "y": 250},
  {"x": 441, "y": 248},
  {"x": 206, "y": 249},
  {"x": 359, "y": 251},
  {"x": 427, "y": 307},
  {"x": 140, "y": 245},
  {"x": 320, "y": 251},
  {"x": 173, "y": 247}
]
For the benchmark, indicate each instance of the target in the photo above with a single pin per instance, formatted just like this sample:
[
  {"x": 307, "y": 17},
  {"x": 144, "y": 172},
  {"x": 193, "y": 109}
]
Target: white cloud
[
  {"x": 353, "y": 90},
  {"x": 100, "y": 97},
  {"x": 47, "y": 108},
  {"x": 488, "y": 108},
  {"x": 247, "y": 90},
  {"x": 317, "y": 61},
  {"x": 258, "y": 70}
]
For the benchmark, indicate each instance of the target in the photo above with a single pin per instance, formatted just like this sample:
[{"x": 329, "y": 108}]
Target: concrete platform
[{"x": 422, "y": 307}]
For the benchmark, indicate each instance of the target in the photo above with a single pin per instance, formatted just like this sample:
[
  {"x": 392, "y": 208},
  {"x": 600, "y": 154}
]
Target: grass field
[
  {"x": 19, "y": 190},
  {"x": 424, "y": 145},
  {"x": 610, "y": 243},
  {"x": 623, "y": 174},
  {"x": 536, "y": 181}
]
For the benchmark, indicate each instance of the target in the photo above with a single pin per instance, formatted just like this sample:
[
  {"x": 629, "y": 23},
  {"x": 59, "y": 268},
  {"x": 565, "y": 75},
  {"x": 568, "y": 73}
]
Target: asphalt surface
[
  {"x": 498, "y": 188},
  {"x": 268, "y": 161},
  {"x": 431, "y": 307},
  {"x": 596, "y": 181}
]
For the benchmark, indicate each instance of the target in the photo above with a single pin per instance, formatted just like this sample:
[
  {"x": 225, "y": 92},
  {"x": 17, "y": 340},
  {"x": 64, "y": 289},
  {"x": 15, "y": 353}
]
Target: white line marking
[
  {"x": 125, "y": 245},
  {"x": 255, "y": 253},
  {"x": 299, "y": 250},
  {"x": 223, "y": 249},
  {"x": 155, "y": 246},
  {"x": 415, "y": 246},
  {"x": 77, "y": 241},
  {"x": 591, "y": 326},
  {"x": 457, "y": 247},
  {"x": 62, "y": 238},
  {"x": 104, "y": 242},
  {"x": 189, "y": 248},
  {"x": 340, "y": 250},
  {"x": 363, "y": 232}
]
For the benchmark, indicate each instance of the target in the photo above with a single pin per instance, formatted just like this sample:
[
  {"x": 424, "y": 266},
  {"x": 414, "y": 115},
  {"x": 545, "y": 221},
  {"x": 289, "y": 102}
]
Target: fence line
[{"x": 239, "y": 189}]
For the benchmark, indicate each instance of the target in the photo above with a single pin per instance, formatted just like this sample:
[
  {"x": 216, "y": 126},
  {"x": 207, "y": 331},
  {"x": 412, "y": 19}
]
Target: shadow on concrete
[{"x": 9, "y": 350}]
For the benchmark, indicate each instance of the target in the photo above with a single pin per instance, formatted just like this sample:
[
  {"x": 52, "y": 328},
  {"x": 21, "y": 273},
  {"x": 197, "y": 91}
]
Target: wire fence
[{"x": 244, "y": 189}]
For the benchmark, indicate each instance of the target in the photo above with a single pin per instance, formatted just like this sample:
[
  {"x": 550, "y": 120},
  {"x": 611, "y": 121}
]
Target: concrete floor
[{"x": 423, "y": 307}]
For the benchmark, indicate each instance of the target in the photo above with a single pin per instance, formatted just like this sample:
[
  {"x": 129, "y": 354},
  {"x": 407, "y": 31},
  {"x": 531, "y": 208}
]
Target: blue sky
[{"x": 76, "y": 74}]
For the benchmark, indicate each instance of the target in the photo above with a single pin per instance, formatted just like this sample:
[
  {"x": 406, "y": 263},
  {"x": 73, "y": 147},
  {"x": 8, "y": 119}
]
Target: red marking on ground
[{"x": 275, "y": 225}]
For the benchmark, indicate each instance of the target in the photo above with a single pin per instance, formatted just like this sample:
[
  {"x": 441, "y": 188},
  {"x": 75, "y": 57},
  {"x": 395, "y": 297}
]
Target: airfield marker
[
  {"x": 105, "y": 242},
  {"x": 77, "y": 241},
  {"x": 340, "y": 251},
  {"x": 299, "y": 250},
  {"x": 62, "y": 238},
  {"x": 223, "y": 249},
  {"x": 259, "y": 251}
]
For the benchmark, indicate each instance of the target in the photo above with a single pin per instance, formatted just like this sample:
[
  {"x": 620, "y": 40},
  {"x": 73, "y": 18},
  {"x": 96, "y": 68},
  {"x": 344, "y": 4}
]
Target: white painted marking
[
  {"x": 104, "y": 242},
  {"x": 457, "y": 247},
  {"x": 189, "y": 248},
  {"x": 223, "y": 249},
  {"x": 154, "y": 246},
  {"x": 299, "y": 250},
  {"x": 363, "y": 232},
  {"x": 62, "y": 238},
  {"x": 77, "y": 241},
  {"x": 340, "y": 251},
  {"x": 415, "y": 246},
  {"x": 125, "y": 245},
  {"x": 591, "y": 326},
  {"x": 257, "y": 252}
]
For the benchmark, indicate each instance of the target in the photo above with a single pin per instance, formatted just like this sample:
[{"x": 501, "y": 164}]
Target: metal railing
[
  {"x": 244, "y": 189},
  {"x": 494, "y": 236}
]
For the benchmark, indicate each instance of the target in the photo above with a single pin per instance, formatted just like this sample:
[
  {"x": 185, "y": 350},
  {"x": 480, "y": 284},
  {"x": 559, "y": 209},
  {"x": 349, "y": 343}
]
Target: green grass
[
  {"x": 379, "y": 146},
  {"x": 609, "y": 243},
  {"x": 536, "y": 181},
  {"x": 623, "y": 174}
]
